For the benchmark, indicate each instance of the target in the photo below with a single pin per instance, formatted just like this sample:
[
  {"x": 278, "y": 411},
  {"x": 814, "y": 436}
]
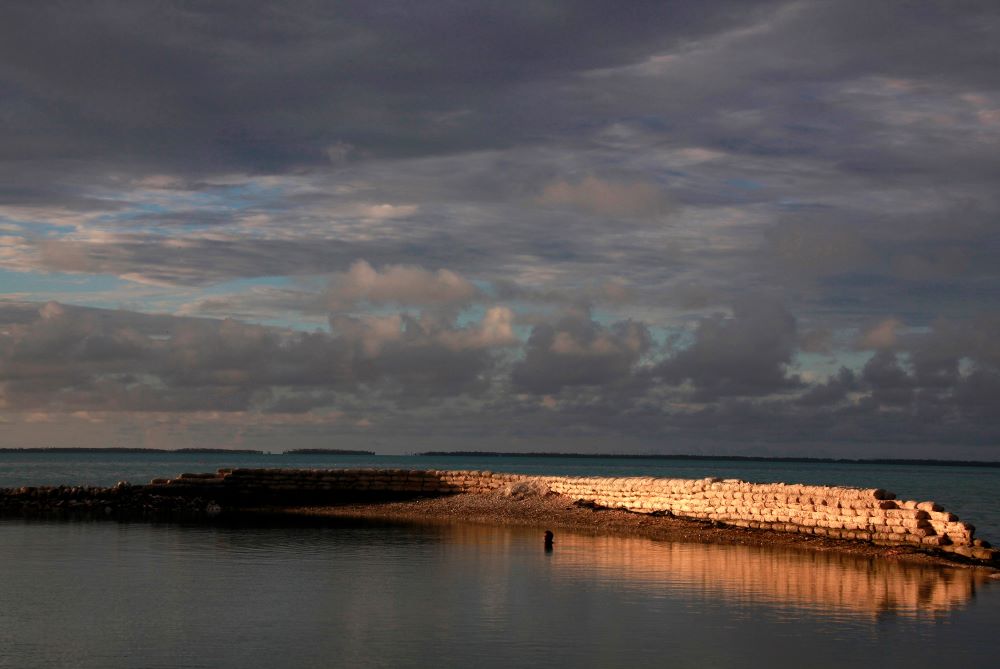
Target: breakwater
[{"x": 859, "y": 514}]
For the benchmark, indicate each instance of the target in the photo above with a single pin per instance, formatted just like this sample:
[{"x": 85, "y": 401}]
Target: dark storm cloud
[
  {"x": 187, "y": 89},
  {"x": 572, "y": 377},
  {"x": 66, "y": 358},
  {"x": 943, "y": 381},
  {"x": 857, "y": 119},
  {"x": 747, "y": 354},
  {"x": 935, "y": 262},
  {"x": 248, "y": 86},
  {"x": 576, "y": 351},
  {"x": 891, "y": 385},
  {"x": 256, "y": 85},
  {"x": 831, "y": 392}
]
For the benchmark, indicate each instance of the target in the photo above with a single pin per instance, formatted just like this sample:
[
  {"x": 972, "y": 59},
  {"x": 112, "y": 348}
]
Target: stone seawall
[{"x": 872, "y": 515}]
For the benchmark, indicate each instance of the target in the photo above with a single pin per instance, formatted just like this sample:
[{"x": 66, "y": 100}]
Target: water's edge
[{"x": 838, "y": 513}]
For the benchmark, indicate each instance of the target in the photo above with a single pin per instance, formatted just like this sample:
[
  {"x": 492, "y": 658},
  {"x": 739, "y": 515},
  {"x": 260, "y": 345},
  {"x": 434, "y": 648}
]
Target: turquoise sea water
[
  {"x": 359, "y": 594},
  {"x": 972, "y": 493}
]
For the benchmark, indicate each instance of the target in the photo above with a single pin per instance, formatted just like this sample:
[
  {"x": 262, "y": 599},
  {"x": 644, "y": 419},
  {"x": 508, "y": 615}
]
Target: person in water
[{"x": 548, "y": 540}]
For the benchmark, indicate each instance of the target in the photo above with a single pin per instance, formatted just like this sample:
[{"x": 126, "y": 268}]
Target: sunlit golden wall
[{"x": 847, "y": 513}]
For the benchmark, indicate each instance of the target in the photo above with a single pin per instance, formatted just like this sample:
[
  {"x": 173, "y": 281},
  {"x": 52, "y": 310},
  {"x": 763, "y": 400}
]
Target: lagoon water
[
  {"x": 331, "y": 594},
  {"x": 103, "y": 594}
]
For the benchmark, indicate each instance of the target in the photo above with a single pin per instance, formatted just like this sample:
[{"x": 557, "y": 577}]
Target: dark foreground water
[{"x": 102, "y": 594}]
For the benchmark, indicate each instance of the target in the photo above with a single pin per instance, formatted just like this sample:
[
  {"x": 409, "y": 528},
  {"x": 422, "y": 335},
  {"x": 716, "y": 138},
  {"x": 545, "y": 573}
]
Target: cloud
[
  {"x": 216, "y": 93},
  {"x": 890, "y": 384},
  {"x": 399, "y": 284},
  {"x": 824, "y": 249},
  {"x": 72, "y": 359},
  {"x": 496, "y": 329},
  {"x": 746, "y": 354},
  {"x": 831, "y": 392},
  {"x": 882, "y": 335},
  {"x": 577, "y": 351},
  {"x": 606, "y": 198},
  {"x": 446, "y": 190},
  {"x": 816, "y": 341},
  {"x": 573, "y": 376}
]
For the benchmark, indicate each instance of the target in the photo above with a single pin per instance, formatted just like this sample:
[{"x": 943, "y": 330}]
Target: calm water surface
[{"x": 103, "y": 594}]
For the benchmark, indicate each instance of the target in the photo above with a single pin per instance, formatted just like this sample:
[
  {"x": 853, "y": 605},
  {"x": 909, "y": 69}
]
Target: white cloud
[{"x": 399, "y": 284}]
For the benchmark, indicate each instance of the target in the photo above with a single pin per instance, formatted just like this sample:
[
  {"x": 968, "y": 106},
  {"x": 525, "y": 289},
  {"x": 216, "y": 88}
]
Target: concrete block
[{"x": 930, "y": 506}]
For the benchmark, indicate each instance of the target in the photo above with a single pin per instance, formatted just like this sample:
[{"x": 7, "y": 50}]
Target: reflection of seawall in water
[{"x": 830, "y": 583}]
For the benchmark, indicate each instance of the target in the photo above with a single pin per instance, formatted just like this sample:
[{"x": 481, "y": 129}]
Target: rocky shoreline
[
  {"x": 542, "y": 502},
  {"x": 120, "y": 500}
]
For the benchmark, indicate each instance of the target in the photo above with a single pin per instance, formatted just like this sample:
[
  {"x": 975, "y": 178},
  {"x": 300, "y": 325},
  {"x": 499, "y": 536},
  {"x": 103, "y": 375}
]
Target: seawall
[
  {"x": 872, "y": 515},
  {"x": 869, "y": 515}
]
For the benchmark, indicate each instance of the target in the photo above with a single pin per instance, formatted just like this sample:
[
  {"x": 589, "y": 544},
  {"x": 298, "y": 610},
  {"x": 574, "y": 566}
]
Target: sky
[{"x": 725, "y": 227}]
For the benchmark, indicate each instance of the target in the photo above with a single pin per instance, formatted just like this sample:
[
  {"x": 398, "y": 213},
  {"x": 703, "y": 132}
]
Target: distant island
[
  {"x": 326, "y": 451},
  {"x": 505, "y": 454},
  {"x": 217, "y": 451},
  {"x": 738, "y": 458},
  {"x": 126, "y": 450}
]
